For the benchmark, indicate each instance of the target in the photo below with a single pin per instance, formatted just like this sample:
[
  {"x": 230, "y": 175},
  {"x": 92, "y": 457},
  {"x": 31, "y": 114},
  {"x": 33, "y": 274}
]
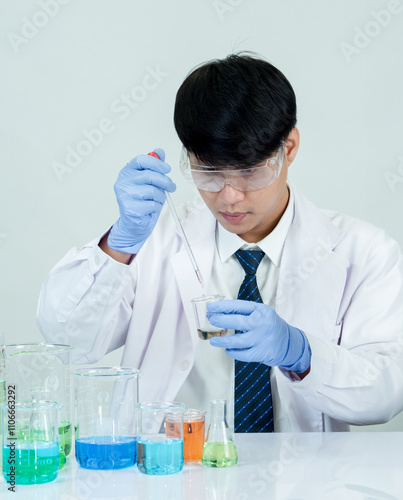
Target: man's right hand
[{"x": 140, "y": 192}]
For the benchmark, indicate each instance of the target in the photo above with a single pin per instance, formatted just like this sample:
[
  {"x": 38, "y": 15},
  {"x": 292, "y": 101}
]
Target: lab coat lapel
[
  {"x": 310, "y": 289},
  {"x": 312, "y": 276},
  {"x": 200, "y": 231}
]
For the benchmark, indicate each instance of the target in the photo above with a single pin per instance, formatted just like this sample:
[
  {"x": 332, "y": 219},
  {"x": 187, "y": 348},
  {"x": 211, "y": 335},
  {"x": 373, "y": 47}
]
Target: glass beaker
[
  {"x": 193, "y": 435},
  {"x": 219, "y": 449},
  {"x": 205, "y": 329},
  {"x": 42, "y": 371},
  {"x": 30, "y": 441},
  {"x": 105, "y": 400},
  {"x": 160, "y": 437}
]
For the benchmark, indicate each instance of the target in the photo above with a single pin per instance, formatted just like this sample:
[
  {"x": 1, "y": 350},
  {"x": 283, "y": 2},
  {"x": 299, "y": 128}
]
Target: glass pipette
[{"x": 181, "y": 231}]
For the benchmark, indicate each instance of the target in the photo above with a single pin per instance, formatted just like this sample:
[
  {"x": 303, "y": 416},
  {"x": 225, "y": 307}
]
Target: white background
[{"x": 64, "y": 72}]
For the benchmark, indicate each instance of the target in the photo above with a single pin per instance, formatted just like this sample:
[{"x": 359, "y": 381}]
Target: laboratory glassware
[
  {"x": 160, "y": 437},
  {"x": 205, "y": 329},
  {"x": 105, "y": 423},
  {"x": 193, "y": 435},
  {"x": 219, "y": 449},
  {"x": 42, "y": 371},
  {"x": 30, "y": 440}
]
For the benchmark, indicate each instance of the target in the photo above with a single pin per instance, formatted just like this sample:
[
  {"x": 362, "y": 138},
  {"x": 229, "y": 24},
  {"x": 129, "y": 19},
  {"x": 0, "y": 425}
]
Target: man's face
[{"x": 252, "y": 215}]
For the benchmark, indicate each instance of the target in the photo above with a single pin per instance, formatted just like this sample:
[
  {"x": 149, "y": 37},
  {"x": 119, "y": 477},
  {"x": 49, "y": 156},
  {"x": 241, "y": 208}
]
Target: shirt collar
[{"x": 272, "y": 245}]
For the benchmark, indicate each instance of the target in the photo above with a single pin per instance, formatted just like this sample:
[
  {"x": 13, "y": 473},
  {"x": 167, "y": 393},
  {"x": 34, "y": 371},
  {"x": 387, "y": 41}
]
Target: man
[{"x": 315, "y": 297}]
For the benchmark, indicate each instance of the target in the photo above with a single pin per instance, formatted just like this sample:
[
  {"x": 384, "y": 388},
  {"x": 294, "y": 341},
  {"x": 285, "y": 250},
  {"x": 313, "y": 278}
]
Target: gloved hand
[
  {"x": 140, "y": 192},
  {"x": 264, "y": 338}
]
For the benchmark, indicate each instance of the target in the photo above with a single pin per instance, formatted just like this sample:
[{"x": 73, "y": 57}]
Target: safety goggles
[{"x": 214, "y": 179}]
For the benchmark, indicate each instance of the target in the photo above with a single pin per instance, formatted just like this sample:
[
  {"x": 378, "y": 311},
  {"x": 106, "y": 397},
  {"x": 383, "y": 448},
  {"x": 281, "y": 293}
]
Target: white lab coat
[{"x": 340, "y": 282}]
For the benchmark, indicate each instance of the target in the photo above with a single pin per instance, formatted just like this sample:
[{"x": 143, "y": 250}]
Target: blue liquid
[
  {"x": 106, "y": 452},
  {"x": 160, "y": 456}
]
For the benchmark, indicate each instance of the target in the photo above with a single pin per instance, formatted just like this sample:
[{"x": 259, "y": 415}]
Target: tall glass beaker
[
  {"x": 105, "y": 399},
  {"x": 160, "y": 437},
  {"x": 219, "y": 449},
  {"x": 42, "y": 372},
  {"x": 30, "y": 441}
]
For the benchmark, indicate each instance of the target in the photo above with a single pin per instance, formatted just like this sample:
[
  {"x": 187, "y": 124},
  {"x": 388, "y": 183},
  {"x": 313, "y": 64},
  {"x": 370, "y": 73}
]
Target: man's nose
[{"x": 230, "y": 195}]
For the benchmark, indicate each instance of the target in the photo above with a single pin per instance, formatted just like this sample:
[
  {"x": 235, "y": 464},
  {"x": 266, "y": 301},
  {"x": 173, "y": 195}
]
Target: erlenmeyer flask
[{"x": 219, "y": 449}]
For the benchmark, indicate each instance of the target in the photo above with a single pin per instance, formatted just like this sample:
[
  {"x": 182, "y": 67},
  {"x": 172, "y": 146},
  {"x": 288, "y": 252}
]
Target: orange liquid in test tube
[{"x": 193, "y": 440}]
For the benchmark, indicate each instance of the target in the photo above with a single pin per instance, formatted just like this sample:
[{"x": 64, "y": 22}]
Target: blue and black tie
[{"x": 253, "y": 403}]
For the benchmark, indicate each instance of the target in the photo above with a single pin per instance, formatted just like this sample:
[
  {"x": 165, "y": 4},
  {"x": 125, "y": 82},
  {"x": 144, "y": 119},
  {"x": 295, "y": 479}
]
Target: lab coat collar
[
  {"x": 314, "y": 223},
  {"x": 272, "y": 245}
]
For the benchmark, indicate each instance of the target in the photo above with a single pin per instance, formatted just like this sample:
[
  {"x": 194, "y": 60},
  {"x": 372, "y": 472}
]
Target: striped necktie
[{"x": 253, "y": 403}]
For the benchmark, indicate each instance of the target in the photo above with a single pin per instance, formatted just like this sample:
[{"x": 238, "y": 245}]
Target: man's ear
[{"x": 291, "y": 146}]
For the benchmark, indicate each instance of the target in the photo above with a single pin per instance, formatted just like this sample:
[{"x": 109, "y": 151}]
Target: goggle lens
[{"x": 214, "y": 179}]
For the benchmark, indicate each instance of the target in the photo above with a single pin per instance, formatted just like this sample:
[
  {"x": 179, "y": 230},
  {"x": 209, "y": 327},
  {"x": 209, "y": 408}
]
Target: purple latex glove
[
  {"x": 140, "y": 193},
  {"x": 264, "y": 337}
]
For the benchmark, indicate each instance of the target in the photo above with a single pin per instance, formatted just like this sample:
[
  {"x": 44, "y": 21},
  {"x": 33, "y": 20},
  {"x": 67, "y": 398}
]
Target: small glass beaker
[
  {"x": 42, "y": 393},
  {"x": 205, "y": 329},
  {"x": 42, "y": 371},
  {"x": 105, "y": 399},
  {"x": 160, "y": 437},
  {"x": 219, "y": 449},
  {"x": 193, "y": 435},
  {"x": 30, "y": 441}
]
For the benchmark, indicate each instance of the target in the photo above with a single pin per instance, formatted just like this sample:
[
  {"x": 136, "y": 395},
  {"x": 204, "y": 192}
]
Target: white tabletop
[{"x": 342, "y": 466}]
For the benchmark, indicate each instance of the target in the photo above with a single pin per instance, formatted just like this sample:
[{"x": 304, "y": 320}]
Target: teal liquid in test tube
[{"x": 30, "y": 441}]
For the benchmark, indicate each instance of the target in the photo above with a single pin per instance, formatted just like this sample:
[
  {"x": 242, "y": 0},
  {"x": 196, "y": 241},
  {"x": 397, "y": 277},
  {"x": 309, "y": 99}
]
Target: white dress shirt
[{"x": 213, "y": 369}]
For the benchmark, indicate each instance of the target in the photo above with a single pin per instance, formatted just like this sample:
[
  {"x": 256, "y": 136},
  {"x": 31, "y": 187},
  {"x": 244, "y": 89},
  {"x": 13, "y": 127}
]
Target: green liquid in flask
[
  {"x": 64, "y": 442},
  {"x": 219, "y": 454},
  {"x": 65, "y": 436}
]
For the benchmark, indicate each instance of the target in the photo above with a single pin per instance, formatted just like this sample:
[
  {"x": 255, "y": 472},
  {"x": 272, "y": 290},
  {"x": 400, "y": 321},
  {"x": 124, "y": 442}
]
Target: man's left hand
[{"x": 262, "y": 336}]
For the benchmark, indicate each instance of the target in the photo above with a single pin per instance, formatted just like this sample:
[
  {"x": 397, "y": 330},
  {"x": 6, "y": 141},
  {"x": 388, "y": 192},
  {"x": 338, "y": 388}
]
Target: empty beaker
[
  {"x": 219, "y": 449},
  {"x": 105, "y": 399},
  {"x": 160, "y": 437},
  {"x": 42, "y": 371},
  {"x": 205, "y": 329},
  {"x": 30, "y": 441}
]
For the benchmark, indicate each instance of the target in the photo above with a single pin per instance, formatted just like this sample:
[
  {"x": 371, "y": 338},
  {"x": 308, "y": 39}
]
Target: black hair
[{"x": 235, "y": 111}]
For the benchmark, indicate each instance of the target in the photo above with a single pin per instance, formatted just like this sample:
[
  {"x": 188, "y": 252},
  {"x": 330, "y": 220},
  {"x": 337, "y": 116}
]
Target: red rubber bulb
[{"x": 154, "y": 154}]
